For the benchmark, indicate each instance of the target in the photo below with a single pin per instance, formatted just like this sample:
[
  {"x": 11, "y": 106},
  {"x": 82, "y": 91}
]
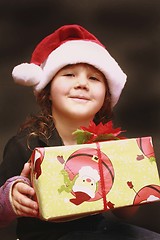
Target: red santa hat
[{"x": 69, "y": 44}]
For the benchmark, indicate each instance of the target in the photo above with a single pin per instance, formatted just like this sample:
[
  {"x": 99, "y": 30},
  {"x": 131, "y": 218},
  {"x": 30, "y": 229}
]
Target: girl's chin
[{"x": 81, "y": 117}]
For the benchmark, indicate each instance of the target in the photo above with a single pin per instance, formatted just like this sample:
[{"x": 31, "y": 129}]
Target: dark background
[{"x": 130, "y": 29}]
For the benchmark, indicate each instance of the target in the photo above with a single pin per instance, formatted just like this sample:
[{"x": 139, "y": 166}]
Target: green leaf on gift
[{"x": 82, "y": 136}]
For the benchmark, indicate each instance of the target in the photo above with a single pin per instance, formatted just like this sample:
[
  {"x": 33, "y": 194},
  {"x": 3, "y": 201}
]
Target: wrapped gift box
[{"x": 76, "y": 180}]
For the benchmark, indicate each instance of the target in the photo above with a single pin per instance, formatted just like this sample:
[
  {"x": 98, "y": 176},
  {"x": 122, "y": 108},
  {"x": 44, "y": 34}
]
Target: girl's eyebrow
[
  {"x": 97, "y": 74},
  {"x": 66, "y": 69}
]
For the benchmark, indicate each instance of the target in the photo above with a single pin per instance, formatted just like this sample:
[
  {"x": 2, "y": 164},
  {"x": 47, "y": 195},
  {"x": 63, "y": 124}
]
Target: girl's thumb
[{"x": 26, "y": 170}]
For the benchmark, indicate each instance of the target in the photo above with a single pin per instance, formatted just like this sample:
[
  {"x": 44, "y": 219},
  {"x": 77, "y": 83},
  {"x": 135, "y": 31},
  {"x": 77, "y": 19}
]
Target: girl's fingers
[
  {"x": 26, "y": 208},
  {"x": 23, "y": 188},
  {"x": 21, "y": 198}
]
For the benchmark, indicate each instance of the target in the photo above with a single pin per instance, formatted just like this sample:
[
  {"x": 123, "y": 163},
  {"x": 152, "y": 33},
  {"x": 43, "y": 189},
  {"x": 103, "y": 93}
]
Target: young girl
[{"x": 75, "y": 80}]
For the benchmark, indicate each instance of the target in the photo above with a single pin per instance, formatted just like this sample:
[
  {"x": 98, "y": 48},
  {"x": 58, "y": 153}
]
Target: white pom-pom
[{"x": 27, "y": 74}]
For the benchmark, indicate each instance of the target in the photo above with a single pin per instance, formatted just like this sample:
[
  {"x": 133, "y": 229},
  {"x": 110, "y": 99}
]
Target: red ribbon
[{"x": 101, "y": 175}]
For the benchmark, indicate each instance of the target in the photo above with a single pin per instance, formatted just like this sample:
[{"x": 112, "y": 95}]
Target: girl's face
[{"x": 77, "y": 92}]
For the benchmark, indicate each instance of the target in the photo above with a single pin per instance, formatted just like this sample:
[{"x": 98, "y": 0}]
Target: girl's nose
[{"x": 81, "y": 82}]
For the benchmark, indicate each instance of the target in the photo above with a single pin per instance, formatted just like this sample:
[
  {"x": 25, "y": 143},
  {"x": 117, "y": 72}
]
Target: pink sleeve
[{"x": 7, "y": 213}]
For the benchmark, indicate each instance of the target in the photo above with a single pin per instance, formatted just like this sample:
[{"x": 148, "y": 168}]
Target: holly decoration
[{"x": 97, "y": 133}]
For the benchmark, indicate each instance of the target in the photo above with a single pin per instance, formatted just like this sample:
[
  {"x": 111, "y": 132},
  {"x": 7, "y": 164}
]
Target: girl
[{"x": 75, "y": 80}]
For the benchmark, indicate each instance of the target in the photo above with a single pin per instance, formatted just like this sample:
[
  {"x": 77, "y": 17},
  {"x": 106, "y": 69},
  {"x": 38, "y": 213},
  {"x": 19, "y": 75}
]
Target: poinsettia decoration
[{"x": 97, "y": 133}]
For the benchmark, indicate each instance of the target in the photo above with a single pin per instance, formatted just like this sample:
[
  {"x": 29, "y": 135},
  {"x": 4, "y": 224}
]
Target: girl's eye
[
  {"x": 68, "y": 75},
  {"x": 94, "y": 78}
]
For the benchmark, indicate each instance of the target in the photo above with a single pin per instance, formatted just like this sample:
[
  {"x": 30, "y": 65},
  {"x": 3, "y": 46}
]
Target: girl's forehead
[{"x": 82, "y": 65}]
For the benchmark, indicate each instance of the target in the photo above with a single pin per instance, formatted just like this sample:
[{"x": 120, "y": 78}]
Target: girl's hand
[{"x": 22, "y": 196}]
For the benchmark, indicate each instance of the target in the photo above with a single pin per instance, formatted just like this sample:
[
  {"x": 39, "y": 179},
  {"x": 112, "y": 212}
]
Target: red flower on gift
[{"x": 97, "y": 133}]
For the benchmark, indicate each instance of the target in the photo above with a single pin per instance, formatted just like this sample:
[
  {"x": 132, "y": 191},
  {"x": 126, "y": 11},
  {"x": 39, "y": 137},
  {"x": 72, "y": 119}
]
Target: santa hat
[{"x": 69, "y": 44}]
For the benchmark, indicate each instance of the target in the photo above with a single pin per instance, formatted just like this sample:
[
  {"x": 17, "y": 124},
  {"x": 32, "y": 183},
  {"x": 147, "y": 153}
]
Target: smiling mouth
[{"x": 80, "y": 98}]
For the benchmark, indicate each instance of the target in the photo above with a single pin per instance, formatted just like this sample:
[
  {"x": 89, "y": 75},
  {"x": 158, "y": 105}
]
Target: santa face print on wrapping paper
[{"x": 82, "y": 175}]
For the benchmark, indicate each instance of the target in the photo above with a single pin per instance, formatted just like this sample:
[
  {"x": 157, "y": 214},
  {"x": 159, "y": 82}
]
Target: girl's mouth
[{"x": 79, "y": 98}]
